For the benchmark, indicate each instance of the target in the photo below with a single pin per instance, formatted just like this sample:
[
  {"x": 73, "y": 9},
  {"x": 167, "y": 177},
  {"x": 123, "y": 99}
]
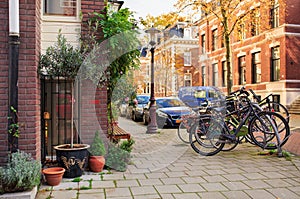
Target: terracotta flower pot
[
  {"x": 53, "y": 175},
  {"x": 96, "y": 163}
]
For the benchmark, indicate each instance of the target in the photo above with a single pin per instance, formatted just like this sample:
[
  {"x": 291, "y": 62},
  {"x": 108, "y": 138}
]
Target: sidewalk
[
  {"x": 293, "y": 144},
  {"x": 164, "y": 167}
]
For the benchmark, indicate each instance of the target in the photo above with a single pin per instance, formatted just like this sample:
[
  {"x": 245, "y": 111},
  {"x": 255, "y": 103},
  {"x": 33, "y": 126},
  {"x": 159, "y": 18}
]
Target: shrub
[
  {"x": 117, "y": 158},
  {"x": 127, "y": 145},
  {"x": 97, "y": 147},
  {"x": 21, "y": 173}
]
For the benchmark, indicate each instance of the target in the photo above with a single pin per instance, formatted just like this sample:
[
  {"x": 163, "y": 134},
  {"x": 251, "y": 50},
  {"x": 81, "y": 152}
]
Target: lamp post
[
  {"x": 152, "y": 126},
  {"x": 116, "y": 5}
]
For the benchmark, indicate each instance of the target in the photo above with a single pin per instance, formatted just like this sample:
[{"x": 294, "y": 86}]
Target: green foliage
[
  {"x": 21, "y": 173},
  {"x": 97, "y": 147},
  {"x": 127, "y": 145},
  {"x": 14, "y": 125},
  {"x": 115, "y": 53},
  {"x": 61, "y": 59},
  {"x": 117, "y": 158}
]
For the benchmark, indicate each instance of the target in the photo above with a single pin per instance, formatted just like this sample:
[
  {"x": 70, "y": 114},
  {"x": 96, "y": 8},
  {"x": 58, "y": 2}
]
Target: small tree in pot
[
  {"x": 62, "y": 62},
  {"x": 97, "y": 152}
]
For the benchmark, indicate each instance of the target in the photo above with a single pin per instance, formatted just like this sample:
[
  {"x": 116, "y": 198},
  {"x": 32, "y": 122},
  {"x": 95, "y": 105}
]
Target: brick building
[
  {"x": 265, "y": 51},
  {"x": 40, "y": 21},
  {"x": 176, "y": 59}
]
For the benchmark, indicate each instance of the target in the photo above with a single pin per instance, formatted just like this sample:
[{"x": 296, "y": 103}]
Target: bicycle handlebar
[
  {"x": 241, "y": 91},
  {"x": 254, "y": 95}
]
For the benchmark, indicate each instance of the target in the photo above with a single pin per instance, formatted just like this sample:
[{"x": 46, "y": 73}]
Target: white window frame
[
  {"x": 53, "y": 17},
  {"x": 187, "y": 58}
]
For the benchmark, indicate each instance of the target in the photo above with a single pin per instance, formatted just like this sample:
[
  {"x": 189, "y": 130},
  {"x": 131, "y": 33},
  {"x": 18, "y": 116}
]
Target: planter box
[{"x": 20, "y": 195}]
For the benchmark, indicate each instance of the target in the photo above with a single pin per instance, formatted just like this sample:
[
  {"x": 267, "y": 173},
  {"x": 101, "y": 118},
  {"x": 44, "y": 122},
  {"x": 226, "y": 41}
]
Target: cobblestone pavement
[{"x": 163, "y": 167}]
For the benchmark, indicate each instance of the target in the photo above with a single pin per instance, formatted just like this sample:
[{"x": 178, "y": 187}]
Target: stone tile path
[{"x": 163, "y": 167}]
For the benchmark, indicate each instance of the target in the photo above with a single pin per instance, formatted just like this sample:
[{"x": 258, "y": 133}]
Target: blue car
[
  {"x": 196, "y": 96},
  {"x": 169, "y": 111}
]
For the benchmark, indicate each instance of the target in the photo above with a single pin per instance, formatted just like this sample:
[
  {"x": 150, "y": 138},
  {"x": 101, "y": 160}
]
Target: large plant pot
[
  {"x": 74, "y": 160},
  {"x": 96, "y": 163},
  {"x": 53, "y": 175}
]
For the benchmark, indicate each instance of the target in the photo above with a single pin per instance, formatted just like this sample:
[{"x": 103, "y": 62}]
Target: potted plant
[
  {"x": 62, "y": 61},
  {"x": 97, "y": 152},
  {"x": 53, "y": 175},
  {"x": 22, "y": 173}
]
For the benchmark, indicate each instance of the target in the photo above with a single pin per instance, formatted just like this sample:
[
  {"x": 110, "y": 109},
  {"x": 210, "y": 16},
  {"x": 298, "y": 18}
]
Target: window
[
  {"x": 187, "y": 59},
  {"x": 222, "y": 40},
  {"x": 203, "y": 41},
  {"x": 241, "y": 31},
  {"x": 255, "y": 23},
  {"x": 256, "y": 68},
  {"x": 242, "y": 70},
  {"x": 275, "y": 63},
  {"x": 187, "y": 79},
  {"x": 60, "y": 7},
  {"x": 214, "y": 39},
  {"x": 224, "y": 74},
  {"x": 215, "y": 74},
  {"x": 203, "y": 75},
  {"x": 274, "y": 14}
]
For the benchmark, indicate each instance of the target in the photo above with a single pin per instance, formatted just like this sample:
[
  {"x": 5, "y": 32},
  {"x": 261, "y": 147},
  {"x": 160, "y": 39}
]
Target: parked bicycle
[
  {"x": 268, "y": 104},
  {"x": 268, "y": 130}
]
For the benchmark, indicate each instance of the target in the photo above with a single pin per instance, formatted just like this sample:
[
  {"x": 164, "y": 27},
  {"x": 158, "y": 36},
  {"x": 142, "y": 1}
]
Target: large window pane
[
  {"x": 203, "y": 75},
  {"x": 274, "y": 14},
  {"x": 256, "y": 68},
  {"x": 60, "y": 7},
  {"x": 275, "y": 64},
  {"x": 224, "y": 74},
  {"x": 242, "y": 70},
  {"x": 215, "y": 74}
]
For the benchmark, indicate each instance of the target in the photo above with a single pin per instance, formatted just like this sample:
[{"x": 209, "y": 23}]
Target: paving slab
[{"x": 163, "y": 167}]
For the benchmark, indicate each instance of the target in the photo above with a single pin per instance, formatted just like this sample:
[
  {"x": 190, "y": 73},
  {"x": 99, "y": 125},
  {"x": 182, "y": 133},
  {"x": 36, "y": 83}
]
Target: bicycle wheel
[
  {"x": 230, "y": 145},
  {"x": 183, "y": 133},
  {"x": 204, "y": 137},
  {"x": 269, "y": 130},
  {"x": 276, "y": 107}
]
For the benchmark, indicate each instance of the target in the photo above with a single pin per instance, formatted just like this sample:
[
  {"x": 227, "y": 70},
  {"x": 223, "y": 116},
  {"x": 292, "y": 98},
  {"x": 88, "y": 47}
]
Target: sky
[{"x": 152, "y": 7}]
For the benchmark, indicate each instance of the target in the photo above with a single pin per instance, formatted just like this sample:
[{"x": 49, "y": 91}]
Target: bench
[{"x": 115, "y": 133}]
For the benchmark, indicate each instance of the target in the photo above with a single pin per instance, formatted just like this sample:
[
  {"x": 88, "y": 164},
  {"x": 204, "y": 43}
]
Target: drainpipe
[{"x": 14, "y": 33}]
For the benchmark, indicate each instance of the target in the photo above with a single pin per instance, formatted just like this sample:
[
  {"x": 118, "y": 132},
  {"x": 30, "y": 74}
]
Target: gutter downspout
[{"x": 14, "y": 42}]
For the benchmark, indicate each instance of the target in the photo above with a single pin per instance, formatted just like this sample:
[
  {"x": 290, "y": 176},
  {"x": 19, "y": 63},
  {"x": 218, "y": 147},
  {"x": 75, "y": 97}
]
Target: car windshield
[
  {"x": 165, "y": 103},
  {"x": 142, "y": 99}
]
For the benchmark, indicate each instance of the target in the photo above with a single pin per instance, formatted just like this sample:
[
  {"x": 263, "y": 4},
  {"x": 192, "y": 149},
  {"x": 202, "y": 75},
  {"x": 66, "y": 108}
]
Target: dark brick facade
[
  {"x": 29, "y": 96},
  {"x": 3, "y": 79}
]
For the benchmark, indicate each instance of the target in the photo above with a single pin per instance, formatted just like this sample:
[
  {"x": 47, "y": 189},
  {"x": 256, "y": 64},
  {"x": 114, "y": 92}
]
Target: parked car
[
  {"x": 169, "y": 111},
  {"x": 123, "y": 108},
  {"x": 196, "y": 96},
  {"x": 135, "y": 109}
]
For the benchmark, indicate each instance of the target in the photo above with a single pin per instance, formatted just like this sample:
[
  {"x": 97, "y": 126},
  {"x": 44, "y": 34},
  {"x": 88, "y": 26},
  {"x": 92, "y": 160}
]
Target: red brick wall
[
  {"x": 93, "y": 114},
  {"x": 3, "y": 80},
  {"x": 289, "y": 42},
  {"x": 29, "y": 91},
  {"x": 98, "y": 104},
  {"x": 29, "y": 84}
]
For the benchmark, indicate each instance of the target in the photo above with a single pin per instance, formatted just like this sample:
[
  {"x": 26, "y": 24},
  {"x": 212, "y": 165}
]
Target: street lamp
[
  {"x": 115, "y": 5},
  {"x": 152, "y": 126}
]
